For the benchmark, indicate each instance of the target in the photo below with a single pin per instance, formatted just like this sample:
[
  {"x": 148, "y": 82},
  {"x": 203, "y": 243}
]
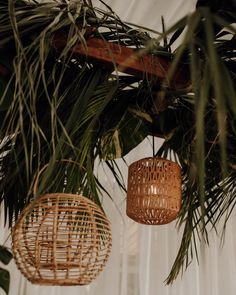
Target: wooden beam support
[
  {"x": 123, "y": 59},
  {"x": 127, "y": 60}
]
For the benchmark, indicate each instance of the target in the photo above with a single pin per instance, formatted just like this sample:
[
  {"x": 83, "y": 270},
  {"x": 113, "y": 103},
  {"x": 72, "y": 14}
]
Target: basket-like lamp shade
[
  {"x": 61, "y": 239},
  {"x": 154, "y": 191}
]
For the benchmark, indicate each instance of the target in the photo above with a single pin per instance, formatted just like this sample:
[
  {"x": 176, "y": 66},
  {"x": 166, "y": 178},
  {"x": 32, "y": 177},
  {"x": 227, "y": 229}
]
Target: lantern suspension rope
[{"x": 153, "y": 146}]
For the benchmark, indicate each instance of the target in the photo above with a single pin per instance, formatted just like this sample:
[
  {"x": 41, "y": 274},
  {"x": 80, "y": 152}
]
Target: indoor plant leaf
[
  {"x": 6, "y": 97},
  {"x": 114, "y": 143},
  {"x": 5, "y": 255},
  {"x": 4, "y": 280}
]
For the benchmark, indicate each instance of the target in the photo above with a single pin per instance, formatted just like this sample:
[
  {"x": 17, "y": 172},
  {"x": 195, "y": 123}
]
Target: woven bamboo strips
[
  {"x": 61, "y": 239},
  {"x": 154, "y": 191}
]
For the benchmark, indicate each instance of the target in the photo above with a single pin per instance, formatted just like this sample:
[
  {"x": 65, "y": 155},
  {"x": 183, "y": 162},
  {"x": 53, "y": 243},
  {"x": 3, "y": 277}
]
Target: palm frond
[{"x": 55, "y": 105}]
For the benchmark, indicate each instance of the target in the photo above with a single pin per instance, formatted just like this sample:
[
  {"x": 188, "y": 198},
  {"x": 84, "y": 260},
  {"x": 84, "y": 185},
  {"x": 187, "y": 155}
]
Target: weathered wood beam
[
  {"x": 127, "y": 60},
  {"x": 123, "y": 59}
]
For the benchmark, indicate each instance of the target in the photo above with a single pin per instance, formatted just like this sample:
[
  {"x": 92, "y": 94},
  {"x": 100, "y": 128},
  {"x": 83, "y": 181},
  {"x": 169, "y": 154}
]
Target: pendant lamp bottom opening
[{"x": 152, "y": 216}]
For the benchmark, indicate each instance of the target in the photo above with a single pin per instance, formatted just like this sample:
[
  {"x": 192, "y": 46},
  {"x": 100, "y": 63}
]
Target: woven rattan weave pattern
[
  {"x": 154, "y": 191},
  {"x": 61, "y": 239}
]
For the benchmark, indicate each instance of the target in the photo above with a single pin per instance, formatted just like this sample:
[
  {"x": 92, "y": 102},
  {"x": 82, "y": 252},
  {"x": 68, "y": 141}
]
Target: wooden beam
[
  {"x": 127, "y": 60},
  {"x": 123, "y": 59}
]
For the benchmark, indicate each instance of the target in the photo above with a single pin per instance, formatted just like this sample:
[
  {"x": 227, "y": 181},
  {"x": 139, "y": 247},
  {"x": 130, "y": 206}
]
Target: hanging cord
[{"x": 153, "y": 146}]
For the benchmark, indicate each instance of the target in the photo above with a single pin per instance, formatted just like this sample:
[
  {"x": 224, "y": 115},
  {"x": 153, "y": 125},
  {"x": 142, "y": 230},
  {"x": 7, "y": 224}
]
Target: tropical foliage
[
  {"x": 56, "y": 106},
  {"x": 5, "y": 258}
]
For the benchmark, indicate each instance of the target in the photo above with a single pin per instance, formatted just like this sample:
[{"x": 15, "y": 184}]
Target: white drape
[{"x": 142, "y": 255}]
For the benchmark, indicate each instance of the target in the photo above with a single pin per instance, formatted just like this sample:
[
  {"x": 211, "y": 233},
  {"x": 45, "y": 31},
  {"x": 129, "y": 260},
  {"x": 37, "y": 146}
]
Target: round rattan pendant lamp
[
  {"x": 61, "y": 239},
  {"x": 154, "y": 191}
]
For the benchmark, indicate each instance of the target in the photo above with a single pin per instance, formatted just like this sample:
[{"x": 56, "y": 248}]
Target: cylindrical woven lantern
[
  {"x": 154, "y": 191},
  {"x": 61, "y": 239}
]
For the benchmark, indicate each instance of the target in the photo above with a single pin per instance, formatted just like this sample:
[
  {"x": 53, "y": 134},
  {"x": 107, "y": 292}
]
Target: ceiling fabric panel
[{"x": 149, "y": 13}]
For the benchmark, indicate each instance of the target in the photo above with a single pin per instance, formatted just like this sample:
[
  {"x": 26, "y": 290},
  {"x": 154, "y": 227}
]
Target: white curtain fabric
[{"x": 142, "y": 256}]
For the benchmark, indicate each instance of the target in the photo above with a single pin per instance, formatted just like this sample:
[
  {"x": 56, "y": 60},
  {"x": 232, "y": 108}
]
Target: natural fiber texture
[
  {"x": 154, "y": 191},
  {"x": 61, "y": 239}
]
